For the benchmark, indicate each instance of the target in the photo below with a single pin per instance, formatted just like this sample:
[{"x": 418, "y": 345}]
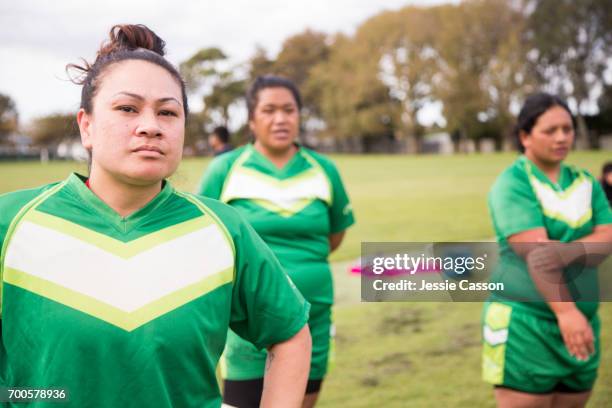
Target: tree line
[{"x": 474, "y": 61}]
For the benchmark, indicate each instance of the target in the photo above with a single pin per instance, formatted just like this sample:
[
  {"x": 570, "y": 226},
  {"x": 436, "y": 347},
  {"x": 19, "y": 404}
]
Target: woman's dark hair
[
  {"x": 607, "y": 187},
  {"x": 535, "y": 105},
  {"x": 126, "y": 42},
  {"x": 270, "y": 81},
  {"x": 222, "y": 133}
]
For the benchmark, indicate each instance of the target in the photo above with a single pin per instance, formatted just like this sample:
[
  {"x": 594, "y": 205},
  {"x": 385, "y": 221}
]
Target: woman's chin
[
  {"x": 148, "y": 176},
  {"x": 281, "y": 145}
]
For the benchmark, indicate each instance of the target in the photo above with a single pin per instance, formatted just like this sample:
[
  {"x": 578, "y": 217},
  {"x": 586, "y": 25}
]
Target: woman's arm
[
  {"x": 545, "y": 261},
  {"x": 599, "y": 245},
  {"x": 335, "y": 240},
  {"x": 545, "y": 266},
  {"x": 287, "y": 369}
]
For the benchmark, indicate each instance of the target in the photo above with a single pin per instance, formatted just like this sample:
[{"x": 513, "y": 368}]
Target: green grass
[{"x": 398, "y": 354}]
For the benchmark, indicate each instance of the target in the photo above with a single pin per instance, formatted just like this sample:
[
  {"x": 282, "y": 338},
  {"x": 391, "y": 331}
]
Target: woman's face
[
  {"x": 551, "y": 138},
  {"x": 276, "y": 119},
  {"x": 136, "y": 128}
]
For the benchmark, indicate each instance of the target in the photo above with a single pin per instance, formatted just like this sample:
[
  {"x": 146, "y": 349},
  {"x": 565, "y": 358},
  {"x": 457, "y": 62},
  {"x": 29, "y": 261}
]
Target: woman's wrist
[{"x": 562, "y": 308}]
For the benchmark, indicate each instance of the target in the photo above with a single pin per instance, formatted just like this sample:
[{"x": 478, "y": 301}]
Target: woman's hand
[
  {"x": 576, "y": 331},
  {"x": 546, "y": 258}
]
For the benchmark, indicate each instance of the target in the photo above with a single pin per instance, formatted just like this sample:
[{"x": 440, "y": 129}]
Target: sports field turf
[{"x": 398, "y": 354}]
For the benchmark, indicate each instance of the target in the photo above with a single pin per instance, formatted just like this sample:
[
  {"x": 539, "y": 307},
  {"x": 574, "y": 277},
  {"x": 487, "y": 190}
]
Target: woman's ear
[
  {"x": 84, "y": 122},
  {"x": 251, "y": 126}
]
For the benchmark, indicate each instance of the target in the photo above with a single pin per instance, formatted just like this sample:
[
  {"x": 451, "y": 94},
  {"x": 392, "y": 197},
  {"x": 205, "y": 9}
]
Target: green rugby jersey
[
  {"x": 523, "y": 198},
  {"x": 134, "y": 311},
  {"x": 294, "y": 209}
]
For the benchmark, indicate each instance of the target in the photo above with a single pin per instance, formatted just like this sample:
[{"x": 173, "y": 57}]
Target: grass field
[{"x": 398, "y": 354}]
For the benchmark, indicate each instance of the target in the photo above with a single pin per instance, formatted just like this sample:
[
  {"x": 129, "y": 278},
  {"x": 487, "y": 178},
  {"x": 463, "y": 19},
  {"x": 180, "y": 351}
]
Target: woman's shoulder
[
  {"x": 319, "y": 157},
  {"x": 12, "y": 202},
  {"x": 224, "y": 213},
  {"x": 323, "y": 161},
  {"x": 230, "y": 156},
  {"x": 19, "y": 198},
  {"x": 578, "y": 172},
  {"x": 223, "y": 163},
  {"x": 515, "y": 174}
]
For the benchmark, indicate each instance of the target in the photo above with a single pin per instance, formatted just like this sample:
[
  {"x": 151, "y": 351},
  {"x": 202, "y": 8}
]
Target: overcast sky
[{"x": 39, "y": 37}]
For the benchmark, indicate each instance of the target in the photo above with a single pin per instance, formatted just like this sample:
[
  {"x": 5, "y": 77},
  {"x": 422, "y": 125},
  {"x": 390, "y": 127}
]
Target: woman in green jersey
[
  {"x": 117, "y": 290},
  {"x": 295, "y": 200},
  {"x": 553, "y": 224}
]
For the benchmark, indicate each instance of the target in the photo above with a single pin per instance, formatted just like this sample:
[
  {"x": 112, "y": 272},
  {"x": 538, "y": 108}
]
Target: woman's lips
[
  {"x": 280, "y": 133},
  {"x": 151, "y": 150}
]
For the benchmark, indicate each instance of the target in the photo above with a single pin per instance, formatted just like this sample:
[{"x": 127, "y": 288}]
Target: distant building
[
  {"x": 72, "y": 149},
  {"x": 440, "y": 143},
  {"x": 18, "y": 146}
]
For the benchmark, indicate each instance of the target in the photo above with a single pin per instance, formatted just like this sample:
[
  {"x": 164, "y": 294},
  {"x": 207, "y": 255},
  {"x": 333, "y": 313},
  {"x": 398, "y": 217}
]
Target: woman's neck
[
  {"x": 550, "y": 169},
  {"x": 278, "y": 157},
  {"x": 121, "y": 196}
]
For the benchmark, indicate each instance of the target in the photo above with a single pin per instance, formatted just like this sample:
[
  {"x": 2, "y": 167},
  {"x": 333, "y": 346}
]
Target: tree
[
  {"x": 225, "y": 93},
  {"x": 408, "y": 63},
  {"x": 195, "y": 129},
  {"x": 209, "y": 77},
  {"x": 571, "y": 57},
  {"x": 354, "y": 101},
  {"x": 202, "y": 68},
  {"x": 296, "y": 59},
  {"x": 259, "y": 64},
  {"x": 507, "y": 79},
  {"x": 52, "y": 129},
  {"x": 483, "y": 70},
  {"x": 9, "y": 118},
  {"x": 299, "y": 54}
]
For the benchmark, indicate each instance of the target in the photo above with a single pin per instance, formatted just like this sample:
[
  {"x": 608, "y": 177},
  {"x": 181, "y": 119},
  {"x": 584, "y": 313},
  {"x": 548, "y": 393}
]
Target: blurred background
[
  {"x": 414, "y": 100},
  {"x": 388, "y": 76}
]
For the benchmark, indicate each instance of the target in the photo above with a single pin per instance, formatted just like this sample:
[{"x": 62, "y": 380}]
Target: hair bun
[{"x": 132, "y": 37}]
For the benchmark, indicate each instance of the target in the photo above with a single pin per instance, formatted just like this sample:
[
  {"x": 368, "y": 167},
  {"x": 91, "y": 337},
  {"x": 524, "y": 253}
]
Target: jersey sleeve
[
  {"x": 602, "y": 213},
  {"x": 211, "y": 184},
  {"x": 267, "y": 308},
  {"x": 341, "y": 211},
  {"x": 5, "y": 221},
  {"x": 513, "y": 205},
  {"x": 10, "y": 205}
]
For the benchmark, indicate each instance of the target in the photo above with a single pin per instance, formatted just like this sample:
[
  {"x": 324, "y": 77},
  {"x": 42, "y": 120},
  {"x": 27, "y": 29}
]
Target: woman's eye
[
  {"x": 168, "y": 113},
  {"x": 128, "y": 109}
]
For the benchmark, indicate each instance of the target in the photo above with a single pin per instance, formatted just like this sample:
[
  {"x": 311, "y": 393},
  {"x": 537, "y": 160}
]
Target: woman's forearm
[
  {"x": 335, "y": 240},
  {"x": 287, "y": 369},
  {"x": 597, "y": 246}
]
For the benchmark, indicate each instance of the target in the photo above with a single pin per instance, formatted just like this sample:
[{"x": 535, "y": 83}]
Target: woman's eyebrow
[
  {"x": 170, "y": 99},
  {"x": 130, "y": 94},
  {"x": 141, "y": 98}
]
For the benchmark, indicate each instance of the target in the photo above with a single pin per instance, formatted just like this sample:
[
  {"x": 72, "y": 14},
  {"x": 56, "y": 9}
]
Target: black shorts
[
  {"x": 559, "y": 388},
  {"x": 247, "y": 393}
]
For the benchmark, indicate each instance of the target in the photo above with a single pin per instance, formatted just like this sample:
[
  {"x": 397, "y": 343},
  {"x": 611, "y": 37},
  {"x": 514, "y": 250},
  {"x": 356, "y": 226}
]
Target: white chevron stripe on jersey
[
  {"x": 285, "y": 194},
  {"x": 495, "y": 337},
  {"x": 125, "y": 284},
  {"x": 573, "y": 206}
]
